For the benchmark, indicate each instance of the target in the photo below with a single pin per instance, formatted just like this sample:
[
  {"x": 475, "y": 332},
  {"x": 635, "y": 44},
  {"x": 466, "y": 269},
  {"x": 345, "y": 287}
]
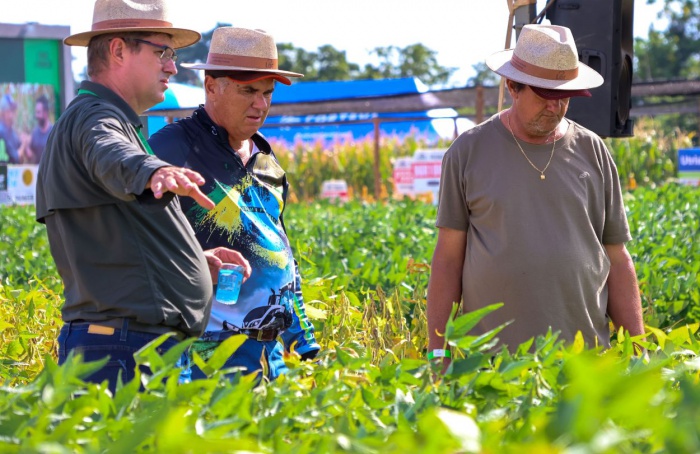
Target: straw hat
[
  {"x": 244, "y": 51},
  {"x": 110, "y": 16},
  {"x": 545, "y": 56}
]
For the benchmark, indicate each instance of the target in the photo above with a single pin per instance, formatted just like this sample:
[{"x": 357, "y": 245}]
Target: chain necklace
[{"x": 554, "y": 143}]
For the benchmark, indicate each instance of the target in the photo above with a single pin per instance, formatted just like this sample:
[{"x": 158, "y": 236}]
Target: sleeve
[
  {"x": 615, "y": 228},
  {"x": 112, "y": 158},
  {"x": 300, "y": 336},
  {"x": 452, "y": 201}
]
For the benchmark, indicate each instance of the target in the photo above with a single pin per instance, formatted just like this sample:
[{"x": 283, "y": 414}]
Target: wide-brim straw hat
[
  {"x": 114, "y": 16},
  {"x": 545, "y": 56},
  {"x": 242, "y": 49}
]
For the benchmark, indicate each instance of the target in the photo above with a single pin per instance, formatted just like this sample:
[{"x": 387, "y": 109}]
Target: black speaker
[{"x": 602, "y": 30}]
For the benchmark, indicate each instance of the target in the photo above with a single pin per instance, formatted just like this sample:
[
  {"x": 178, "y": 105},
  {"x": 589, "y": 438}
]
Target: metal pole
[{"x": 377, "y": 173}]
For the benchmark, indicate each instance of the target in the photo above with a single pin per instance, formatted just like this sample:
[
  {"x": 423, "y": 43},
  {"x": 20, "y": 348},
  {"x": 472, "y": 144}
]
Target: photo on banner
[{"x": 27, "y": 114}]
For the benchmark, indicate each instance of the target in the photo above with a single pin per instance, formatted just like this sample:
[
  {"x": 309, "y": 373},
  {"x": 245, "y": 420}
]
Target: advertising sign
[
  {"x": 335, "y": 190},
  {"x": 689, "y": 166},
  {"x": 21, "y": 185},
  {"x": 403, "y": 177},
  {"x": 427, "y": 167}
]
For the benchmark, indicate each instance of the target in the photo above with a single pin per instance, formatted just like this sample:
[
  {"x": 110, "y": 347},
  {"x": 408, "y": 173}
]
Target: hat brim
[
  {"x": 181, "y": 37},
  {"x": 207, "y": 66},
  {"x": 249, "y": 77},
  {"x": 587, "y": 76}
]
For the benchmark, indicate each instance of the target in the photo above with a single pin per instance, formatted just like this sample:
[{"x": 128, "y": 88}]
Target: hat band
[
  {"x": 543, "y": 73},
  {"x": 130, "y": 23},
  {"x": 241, "y": 61}
]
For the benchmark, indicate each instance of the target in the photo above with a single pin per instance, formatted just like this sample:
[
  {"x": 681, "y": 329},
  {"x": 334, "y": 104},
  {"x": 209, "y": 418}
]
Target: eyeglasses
[{"x": 167, "y": 54}]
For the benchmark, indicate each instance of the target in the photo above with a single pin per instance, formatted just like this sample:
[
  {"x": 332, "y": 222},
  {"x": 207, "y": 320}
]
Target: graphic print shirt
[{"x": 247, "y": 218}]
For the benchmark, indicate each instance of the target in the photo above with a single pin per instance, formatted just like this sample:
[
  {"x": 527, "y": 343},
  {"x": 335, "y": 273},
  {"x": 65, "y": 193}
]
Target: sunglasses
[{"x": 167, "y": 54}]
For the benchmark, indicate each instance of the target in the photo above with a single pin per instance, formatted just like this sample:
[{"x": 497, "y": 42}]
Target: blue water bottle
[{"x": 229, "y": 285}]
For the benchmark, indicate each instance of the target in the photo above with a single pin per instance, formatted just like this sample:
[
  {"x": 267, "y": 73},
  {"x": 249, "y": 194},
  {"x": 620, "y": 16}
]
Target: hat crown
[
  {"x": 547, "y": 46},
  {"x": 151, "y": 16},
  {"x": 243, "y": 42},
  {"x": 109, "y": 10}
]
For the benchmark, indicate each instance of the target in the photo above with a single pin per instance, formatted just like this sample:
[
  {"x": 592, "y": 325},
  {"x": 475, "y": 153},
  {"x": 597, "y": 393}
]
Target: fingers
[
  {"x": 214, "y": 263},
  {"x": 201, "y": 198},
  {"x": 180, "y": 181},
  {"x": 230, "y": 256}
]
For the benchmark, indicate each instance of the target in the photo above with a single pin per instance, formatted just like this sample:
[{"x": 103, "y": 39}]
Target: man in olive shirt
[
  {"x": 131, "y": 266},
  {"x": 531, "y": 212}
]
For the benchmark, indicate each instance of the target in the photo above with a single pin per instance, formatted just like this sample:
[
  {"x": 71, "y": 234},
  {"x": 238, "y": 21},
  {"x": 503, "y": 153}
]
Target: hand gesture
[{"x": 180, "y": 181}]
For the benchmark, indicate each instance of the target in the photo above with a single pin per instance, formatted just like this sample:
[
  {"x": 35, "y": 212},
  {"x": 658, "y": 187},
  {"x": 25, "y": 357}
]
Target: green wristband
[{"x": 439, "y": 353}]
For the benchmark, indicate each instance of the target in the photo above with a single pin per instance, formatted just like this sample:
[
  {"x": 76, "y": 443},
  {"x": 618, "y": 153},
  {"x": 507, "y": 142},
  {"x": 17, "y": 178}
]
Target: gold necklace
[{"x": 554, "y": 143}]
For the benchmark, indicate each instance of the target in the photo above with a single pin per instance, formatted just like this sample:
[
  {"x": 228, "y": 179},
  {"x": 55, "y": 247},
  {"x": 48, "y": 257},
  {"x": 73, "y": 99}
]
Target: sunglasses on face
[{"x": 168, "y": 53}]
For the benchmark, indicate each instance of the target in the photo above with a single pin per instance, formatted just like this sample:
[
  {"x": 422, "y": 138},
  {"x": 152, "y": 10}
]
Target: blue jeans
[
  {"x": 249, "y": 356},
  {"x": 119, "y": 346}
]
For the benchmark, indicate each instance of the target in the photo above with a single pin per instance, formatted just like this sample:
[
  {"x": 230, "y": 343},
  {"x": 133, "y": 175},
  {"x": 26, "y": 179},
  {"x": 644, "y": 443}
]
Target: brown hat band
[
  {"x": 543, "y": 73},
  {"x": 130, "y": 23},
  {"x": 241, "y": 61}
]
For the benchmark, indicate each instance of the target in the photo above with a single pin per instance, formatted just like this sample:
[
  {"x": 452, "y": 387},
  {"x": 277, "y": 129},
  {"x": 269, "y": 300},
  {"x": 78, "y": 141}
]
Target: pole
[
  {"x": 521, "y": 12},
  {"x": 377, "y": 173}
]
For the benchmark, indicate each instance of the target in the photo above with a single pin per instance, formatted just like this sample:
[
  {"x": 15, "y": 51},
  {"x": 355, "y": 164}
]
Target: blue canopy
[{"x": 343, "y": 126}]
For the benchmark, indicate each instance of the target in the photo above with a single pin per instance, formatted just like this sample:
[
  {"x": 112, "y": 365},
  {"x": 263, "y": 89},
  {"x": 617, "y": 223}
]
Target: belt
[
  {"x": 260, "y": 335},
  {"x": 132, "y": 325}
]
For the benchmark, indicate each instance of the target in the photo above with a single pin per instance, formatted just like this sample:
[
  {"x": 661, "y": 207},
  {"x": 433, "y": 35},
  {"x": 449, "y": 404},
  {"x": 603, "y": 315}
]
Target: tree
[
  {"x": 333, "y": 64},
  {"x": 297, "y": 60},
  {"x": 484, "y": 76},
  {"x": 414, "y": 60},
  {"x": 674, "y": 52},
  {"x": 329, "y": 63}
]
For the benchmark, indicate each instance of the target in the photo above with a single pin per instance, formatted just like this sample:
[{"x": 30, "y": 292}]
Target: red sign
[{"x": 428, "y": 169}]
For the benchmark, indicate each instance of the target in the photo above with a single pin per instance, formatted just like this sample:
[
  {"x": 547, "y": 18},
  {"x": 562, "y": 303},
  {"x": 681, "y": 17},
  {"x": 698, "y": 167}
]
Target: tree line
[{"x": 330, "y": 64}]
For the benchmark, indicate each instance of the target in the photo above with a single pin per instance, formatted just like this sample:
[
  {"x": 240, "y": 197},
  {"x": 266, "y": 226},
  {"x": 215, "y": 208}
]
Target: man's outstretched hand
[{"x": 180, "y": 181}]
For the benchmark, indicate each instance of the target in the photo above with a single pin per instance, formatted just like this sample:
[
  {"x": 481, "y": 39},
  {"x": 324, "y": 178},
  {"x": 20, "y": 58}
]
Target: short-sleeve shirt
[{"x": 535, "y": 245}]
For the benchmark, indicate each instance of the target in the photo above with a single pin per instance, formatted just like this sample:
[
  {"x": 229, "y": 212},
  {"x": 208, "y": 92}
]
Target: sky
[{"x": 462, "y": 32}]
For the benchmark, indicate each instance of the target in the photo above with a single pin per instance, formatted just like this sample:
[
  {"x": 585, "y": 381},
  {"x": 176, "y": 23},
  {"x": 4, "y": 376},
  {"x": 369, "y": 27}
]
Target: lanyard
[{"x": 143, "y": 140}]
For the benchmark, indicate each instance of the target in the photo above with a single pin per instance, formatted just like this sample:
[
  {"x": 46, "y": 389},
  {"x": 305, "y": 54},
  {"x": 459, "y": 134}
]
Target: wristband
[{"x": 439, "y": 353}]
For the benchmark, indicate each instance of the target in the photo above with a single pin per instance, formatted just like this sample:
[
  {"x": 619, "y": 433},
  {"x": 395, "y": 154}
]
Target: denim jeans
[
  {"x": 119, "y": 346},
  {"x": 249, "y": 356}
]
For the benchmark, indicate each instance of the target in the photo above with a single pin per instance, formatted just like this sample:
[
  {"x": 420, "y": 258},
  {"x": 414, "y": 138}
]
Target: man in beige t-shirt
[{"x": 530, "y": 212}]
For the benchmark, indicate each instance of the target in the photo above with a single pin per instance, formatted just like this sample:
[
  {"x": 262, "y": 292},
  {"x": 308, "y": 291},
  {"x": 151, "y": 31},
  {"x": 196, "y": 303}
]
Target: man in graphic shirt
[{"x": 243, "y": 177}]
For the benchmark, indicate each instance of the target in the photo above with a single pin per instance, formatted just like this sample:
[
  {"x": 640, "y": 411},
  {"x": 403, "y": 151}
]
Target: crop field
[{"x": 365, "y": 268}]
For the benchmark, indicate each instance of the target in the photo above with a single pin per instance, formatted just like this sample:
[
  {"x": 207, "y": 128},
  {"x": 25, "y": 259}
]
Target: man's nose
[
  {"x": 555, "y": 104},
  {"x": 170, "y": 67},
  {"x": 261, "y": 102}
]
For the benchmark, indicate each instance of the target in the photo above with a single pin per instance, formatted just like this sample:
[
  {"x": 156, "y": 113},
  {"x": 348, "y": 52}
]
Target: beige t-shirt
[{"x": 535, "y": 245}]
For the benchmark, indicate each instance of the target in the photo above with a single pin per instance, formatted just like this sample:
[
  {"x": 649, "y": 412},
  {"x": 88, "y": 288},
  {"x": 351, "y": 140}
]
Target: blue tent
[{"x": 343, "y": 127}]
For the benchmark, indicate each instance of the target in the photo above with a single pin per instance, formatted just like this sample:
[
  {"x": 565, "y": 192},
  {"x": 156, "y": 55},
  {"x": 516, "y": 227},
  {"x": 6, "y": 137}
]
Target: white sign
[
  {"x": 403, "y": 177},
  {"x": 427, "y": 167},
  {"x": 21, "y": 185},
  {"x": 335, "y": 190}
]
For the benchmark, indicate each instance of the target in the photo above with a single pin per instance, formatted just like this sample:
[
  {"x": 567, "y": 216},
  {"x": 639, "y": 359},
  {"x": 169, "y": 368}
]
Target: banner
[
  {"x": 689, "y": 166},
  {"x": 21, "y": 184}
]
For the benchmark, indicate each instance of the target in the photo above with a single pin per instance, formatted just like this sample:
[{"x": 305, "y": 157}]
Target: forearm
[
  {"x": 444, "y": 290},
  {"x": 624, "y": 301}
]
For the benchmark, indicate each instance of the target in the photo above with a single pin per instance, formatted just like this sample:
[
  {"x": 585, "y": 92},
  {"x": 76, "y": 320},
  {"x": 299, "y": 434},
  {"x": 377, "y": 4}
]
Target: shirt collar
[
  {"x": 222, "y": 135},
  {"x": 110, "y": 96}
]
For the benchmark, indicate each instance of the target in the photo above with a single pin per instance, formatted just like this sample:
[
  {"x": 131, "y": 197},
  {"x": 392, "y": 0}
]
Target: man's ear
[
  {"x": 210, "y": 85},
  {"x": 117, "y": 47}
]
